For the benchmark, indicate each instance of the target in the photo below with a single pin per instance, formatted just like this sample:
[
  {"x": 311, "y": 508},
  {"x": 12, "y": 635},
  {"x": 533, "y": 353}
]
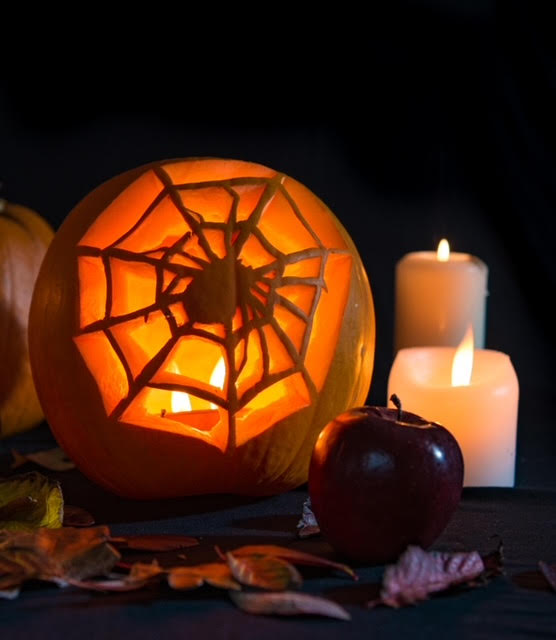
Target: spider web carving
[{"x": 217, "y": 276}]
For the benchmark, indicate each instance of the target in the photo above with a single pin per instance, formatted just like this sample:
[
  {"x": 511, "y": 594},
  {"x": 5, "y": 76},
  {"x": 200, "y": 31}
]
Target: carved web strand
[
  {"x": 232, "y": 221},
  {"x": 143, "y": 312},
  {"x": 316, "y": 300},
  {"x": 114, "y": 343},
  {"x": 300, "y": 216},
  {"x": 231, "y": 391},
  {"x": 109, "y": 286},
  {"x": 130, "y": 256},
  {"x": 295, "y": 357},
  {"x": 189, "y": 218},
  {"x": 199, "y": 392},
  {"x": 158, "y": 199},
  {"x": 265, "y": 352},
  {"x": 290, "y": 306},
  {"x": 250, "y": 225}
]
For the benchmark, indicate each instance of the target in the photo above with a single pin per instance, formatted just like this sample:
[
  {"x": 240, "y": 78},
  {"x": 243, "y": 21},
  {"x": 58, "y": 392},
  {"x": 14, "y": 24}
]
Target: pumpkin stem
[{"x": 398, "y": 403}]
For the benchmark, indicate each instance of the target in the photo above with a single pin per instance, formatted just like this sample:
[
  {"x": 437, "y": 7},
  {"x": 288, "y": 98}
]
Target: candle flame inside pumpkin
[
  {"x": 182, "y": 402},
  {"x": 443, "y": 251},
  {"x": 462, "y": 365}
]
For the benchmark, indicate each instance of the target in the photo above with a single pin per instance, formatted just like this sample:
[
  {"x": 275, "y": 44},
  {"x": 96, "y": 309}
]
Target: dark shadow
[
  {"x": 357, "y": 594},
  {"x": 533, "y": 580},
  {"x": 282, "y": 523}
]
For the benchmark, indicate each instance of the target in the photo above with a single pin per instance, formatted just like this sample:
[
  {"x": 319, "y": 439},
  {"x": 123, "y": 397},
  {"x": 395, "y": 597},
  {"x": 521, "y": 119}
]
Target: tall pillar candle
[
  {"x": 481, "y": 415},
  {"x": 437, "y": 299}
]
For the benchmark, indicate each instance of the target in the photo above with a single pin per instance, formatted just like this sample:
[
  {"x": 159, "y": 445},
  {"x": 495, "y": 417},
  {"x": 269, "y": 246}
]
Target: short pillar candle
[
  {"x": 481, "y": 415},
  {"x": 437, "y": 297}
]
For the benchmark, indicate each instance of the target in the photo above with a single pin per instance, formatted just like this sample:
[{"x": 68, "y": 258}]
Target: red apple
[{"x": 381, "y": 479}]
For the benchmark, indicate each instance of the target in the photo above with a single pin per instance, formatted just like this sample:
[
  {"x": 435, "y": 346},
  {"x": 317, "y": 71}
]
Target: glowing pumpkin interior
[{"x": 210, "y": 307}]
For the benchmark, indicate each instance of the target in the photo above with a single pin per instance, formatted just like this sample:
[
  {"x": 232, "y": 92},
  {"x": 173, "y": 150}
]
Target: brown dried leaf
[
  {"x": 307, "y": 525},
  {"x": 184, "y": 578},
  {"x": 288, "y": 603},
  {"x": 265, "y": 572},
  {"x": 419, "y": 573},
  {"x": 77, "y": 517},
  {"x": 159, "y": 542},
  {"x": 216, "y": 574},
  {"x": 549, "y": 572},
  {"x": 57, "y": 555},
  {"x": 52, "y": 459},
  {"x": 293, "y": 556}
]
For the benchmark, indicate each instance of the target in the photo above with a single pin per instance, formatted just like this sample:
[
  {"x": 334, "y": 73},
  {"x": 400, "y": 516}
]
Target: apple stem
[{"x": 394, "y": 398}]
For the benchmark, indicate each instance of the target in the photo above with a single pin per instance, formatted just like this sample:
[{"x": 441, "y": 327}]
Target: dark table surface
[{"x": 516, "y": 604}]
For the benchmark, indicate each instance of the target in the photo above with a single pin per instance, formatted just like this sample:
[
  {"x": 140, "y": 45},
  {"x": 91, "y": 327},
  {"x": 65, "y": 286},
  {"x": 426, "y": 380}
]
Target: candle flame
[
  {"x": 443, "y": 251},
  {"x": 218, "y": 376},
  {"x": 462, "y": 365},
  {"x": 181, "y": 401}
]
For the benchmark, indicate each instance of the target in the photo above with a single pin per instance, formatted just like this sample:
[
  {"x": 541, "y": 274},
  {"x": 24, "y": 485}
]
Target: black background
[{"x": 425, "y": 120}]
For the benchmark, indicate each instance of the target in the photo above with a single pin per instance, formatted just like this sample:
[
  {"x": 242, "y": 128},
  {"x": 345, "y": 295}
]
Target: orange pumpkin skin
[
  {"x": 195, "y": 324},
  {"x": 24, "y": 238}
]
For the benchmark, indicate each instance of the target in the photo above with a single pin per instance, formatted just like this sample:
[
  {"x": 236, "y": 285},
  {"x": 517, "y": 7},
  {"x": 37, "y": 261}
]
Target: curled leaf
[
  {"x": 419, "y": 573},
  {"x": 52, "y": 459},
  {"x": 549, "y": 572},
  {"x": 307, "y": 525},
  {"x": 265, "y": 572},
  {"x": 288, "y": 603},
  {"x": 158, "y": 542},
  {"x": 216, "y": 574},
  {"x": 293, "y": 556},
  {"x": 30, "y": 501}
]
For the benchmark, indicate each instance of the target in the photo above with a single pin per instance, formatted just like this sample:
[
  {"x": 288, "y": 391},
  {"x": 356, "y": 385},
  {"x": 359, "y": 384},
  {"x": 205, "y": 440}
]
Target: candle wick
[{"x": 394, "y": 398}]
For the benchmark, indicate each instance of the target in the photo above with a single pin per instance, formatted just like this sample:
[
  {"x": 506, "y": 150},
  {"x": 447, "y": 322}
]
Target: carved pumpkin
[
  {"x": 24, "y": 238},
  {"x": 195, "y": 324}
]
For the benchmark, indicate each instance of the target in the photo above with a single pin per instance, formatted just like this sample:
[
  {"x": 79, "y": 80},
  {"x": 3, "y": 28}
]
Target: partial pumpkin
[
  {"x": 196, "y": 323},
  {"x": 24, "y": 239}
]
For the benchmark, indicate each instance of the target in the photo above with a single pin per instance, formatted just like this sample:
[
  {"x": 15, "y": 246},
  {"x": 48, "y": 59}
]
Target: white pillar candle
[
  {"x": 437, "y": 297},
  {"x": 481, "y": 415}
]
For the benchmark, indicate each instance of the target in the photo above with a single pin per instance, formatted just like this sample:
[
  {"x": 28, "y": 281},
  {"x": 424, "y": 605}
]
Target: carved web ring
[{"x": 184, "y": 270}]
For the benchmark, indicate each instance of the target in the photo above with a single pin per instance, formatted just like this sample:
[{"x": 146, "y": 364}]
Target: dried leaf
[
  {"x": 77, "y": 517},
  {"x": 184, "y": 579},
  {"x": 138, "y": 577},
  {"x": 216, "y": 574},
  {"x": 494, "y": 563},
  {"x": 419, "y": 573},
  {"x": 265, "y": 572},
  {"x": 30, "y": 501},
  {"x": 549, "y": 572},
  {"x": 62, "y": 555},
  {"x": 161, "y": 542},
  {"x": 293, "y": 556},
  {"x": 288, "y": 603},
  {"x": 307, "y": 525},
  {"x": 51, "y": 459}
]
